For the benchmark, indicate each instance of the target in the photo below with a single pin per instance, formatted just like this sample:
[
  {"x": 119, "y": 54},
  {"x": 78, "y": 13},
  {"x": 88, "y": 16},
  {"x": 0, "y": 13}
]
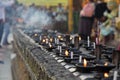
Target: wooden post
[
  {"x": 116, "y": 58},
  {"x": 70, "y": 16}
]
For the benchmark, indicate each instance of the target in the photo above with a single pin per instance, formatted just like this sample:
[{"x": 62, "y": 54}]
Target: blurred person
[
  {"x": 100, "y": 8},
  {"x": 61, "y": 19},
  {"x": 3, "y": 5},
  {"x": 86, "y": 20},
  {"x": 107, "y": 29},
  {"x": 60, "y": 8}
]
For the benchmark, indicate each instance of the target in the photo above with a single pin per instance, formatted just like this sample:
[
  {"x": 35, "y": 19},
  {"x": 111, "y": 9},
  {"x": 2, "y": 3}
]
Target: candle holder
[
  {"x": 103, "y": 67},
  {"x": 58, "y": 51},
  {"x": 116, "y": 58},
  {"x": 103, "y": 76},
  {"x": 76, "y": 40},
  {"x": 98, "y": 51},
  {"x": 85, "y": 68},
  {"x": 35, "y": 37},
  {"x": 88, "y": 56},
  {"x": 73, "y": 55},
  {"x": 49, "y": 47},
  {"x": 86, "y": 46},
  {"x": 108, "y": 50},
  {"x": 61, "y": 38},
  {"x": 67, "y": 39}
]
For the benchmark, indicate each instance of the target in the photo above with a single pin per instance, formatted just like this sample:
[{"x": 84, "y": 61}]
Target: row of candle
[{"x": 57, "y": 39}]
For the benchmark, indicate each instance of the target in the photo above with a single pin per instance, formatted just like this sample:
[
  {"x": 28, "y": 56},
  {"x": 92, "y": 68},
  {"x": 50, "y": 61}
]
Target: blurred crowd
[{"x": 98, "y": 20}]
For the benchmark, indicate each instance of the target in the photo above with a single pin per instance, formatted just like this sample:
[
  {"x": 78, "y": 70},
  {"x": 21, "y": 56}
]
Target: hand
[{"x": 105, "y": 13}]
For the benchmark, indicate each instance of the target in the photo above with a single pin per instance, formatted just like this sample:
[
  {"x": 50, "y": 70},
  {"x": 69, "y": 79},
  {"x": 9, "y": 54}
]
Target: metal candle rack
[{"x": 73, "y": 67}]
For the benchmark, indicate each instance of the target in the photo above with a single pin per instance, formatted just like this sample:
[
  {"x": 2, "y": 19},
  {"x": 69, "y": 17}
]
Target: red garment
[{"x": 118, "y": 48}]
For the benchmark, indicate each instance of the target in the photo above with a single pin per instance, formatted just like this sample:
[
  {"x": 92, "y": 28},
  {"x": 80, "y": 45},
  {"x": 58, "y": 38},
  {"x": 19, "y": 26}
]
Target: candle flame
[
  {"x": 50, "y": 45},
  {"x": 35, "y": 34},
  {"x": 71, "y": 38},
  {"x": 66, "y": 53},
  {"x": 106, "y": 64},
  {"x": 106, "y": 75},
  {"x": 79, "y": 38},
  {"x": 59, "y": 36},
  {"x": 51, "y": 40},
  {"x": 43, "y": 40},
  {"x": 85, "y": 63}
]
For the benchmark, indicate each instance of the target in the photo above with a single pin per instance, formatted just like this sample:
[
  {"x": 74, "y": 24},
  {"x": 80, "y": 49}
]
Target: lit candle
[
  {"x": 35, "y": 34},
  {"x": 85, "y": 63},
  {"x": 51, "y": 40},
  {"x": 71, "y": 55},
  {"x": 43, "y": 40},
  {"x": 80, "y": 59},
  {"x": 115, "y": 75},
  {"x": 106, "y": 64},
  {"x": 79, "y": 38},
  {"x": 66, "y": 53},
  {"x": 88, "y": 40},
  {"x": 50, "y": 45},
  {"x": 106, "y": 75},
  {"x": 59, "y": 36}
]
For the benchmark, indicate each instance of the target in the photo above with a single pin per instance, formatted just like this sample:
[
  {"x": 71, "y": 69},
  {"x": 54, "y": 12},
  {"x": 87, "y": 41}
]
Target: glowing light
[
  {"x": 66, "y": 53},
  {"x": 79, "y": 38},
  {"x": 106, "y": 64},
  {"x": 43, "y": 40},
  {"x": 85, "y": 63},
  {"x": 51, "y": 40},
  {"x": 35, "y": 34},
  {"x": 106, "y": 75}
]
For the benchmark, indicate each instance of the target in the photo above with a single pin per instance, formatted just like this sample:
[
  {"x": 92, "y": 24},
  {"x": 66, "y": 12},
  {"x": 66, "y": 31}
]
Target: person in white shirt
[{"x": 3, "y": 4}]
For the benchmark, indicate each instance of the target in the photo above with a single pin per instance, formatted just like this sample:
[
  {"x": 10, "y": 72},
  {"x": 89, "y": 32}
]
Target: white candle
[
  {"x": 71, "y": 55},
  {"x": 88, "y": 38},
  {"x": 80, "y": 59},
  {"x": 73, "y": 40},
  {"x": 57, "y": 41},
  {"x": 88, "y": 41},
  {"x": 115, "y": 75},
  {"x": 94, "y": 46},
  {"x": 40, "y": 38},
  {"x": 60, "y": 49}
]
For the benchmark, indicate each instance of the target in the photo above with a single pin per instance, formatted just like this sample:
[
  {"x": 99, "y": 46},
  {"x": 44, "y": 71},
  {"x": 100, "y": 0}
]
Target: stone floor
[{"x": 6, "y": 56}]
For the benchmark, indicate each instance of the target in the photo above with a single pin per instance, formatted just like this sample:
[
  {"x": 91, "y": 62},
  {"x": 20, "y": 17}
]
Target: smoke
[{"x": 38, "y": 19}]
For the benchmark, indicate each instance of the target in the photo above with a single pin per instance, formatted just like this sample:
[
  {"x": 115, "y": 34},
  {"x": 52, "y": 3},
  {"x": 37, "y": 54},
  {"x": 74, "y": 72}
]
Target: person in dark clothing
[
  {"x": 99, "y": 17},
  {"x": 86, "y": 20},
  {"x": 100, "y": 8}
]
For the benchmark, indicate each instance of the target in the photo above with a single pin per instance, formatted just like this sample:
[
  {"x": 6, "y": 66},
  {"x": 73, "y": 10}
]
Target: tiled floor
[{"x": 5, "y": 64}]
